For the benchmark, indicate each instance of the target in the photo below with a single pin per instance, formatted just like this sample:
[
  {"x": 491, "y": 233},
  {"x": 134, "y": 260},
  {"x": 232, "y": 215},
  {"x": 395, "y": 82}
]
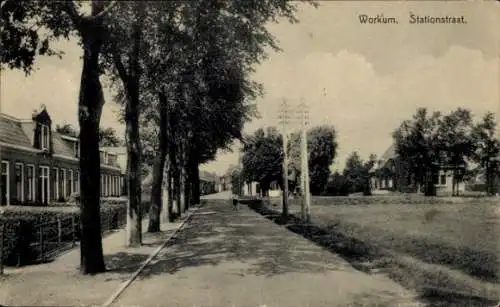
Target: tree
[
  {"x": 263, "y": 157},
  {"x": 219, "y": 45},
  {"x": 353, "y": 172},
  {"x": 108, "y": 137},
  {"x": 125, "y": 53},
  {"x": 322, "y": 149},
  {"x": 487, "y": 149},
  {"x": 337, "y": 185},
  {"x": 60, "y": 19},
  {"x": 455, "y": 133},
  {"x": 418, "y": 145},
  {"x": 368, "y": 174},
  {"x": 66, "y": 129},
  {"x": 358, "y": 173}
]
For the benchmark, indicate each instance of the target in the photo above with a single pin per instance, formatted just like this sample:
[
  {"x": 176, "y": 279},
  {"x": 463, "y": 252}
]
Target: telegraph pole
[
  {"x": 284, "y": 116},
  {"x": 304, "y": 174}
]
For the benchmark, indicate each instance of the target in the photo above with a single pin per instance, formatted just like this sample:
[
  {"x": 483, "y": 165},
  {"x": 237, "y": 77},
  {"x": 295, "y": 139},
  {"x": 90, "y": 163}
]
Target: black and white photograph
[{"x": 242, "y": 153}]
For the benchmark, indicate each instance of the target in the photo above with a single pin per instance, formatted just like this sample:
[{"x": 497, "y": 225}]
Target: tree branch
[
  {"x": 70, "y": 8},
  {"x": 122, "y": 71},
  {"x": 104, "y": 11}
]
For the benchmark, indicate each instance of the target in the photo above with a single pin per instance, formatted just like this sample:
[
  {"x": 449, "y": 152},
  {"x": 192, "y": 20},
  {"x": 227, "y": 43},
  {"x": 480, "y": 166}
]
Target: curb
[{"x": 127, "y": 283}]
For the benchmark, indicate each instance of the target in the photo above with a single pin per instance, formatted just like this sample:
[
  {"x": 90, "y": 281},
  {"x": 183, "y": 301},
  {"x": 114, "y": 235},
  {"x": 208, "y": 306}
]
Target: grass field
[{"x": 454, "y": 246}]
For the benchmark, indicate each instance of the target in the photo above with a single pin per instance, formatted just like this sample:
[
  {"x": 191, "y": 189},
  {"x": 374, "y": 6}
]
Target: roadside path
[{"x": 239, "y": 258}]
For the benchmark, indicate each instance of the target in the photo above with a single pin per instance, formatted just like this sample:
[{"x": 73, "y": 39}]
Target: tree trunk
[
  {"x": 158, "y": 170},
  {"x": 170, "y": 188},
  {"x": 164, "y": 214},
  {"x": 182, "y": 180},
  {"x": 134, "y": 221},
  {"x": 90, "y": 105},
  {"x": 489, "y": 179},
  {"x": 187, "y": 189},
  {"x": 185, "y": 174},
  {"x": 430, "y": 188},
  {"x": 195, "y": 182},
  {"x": 176, "y": 181}
]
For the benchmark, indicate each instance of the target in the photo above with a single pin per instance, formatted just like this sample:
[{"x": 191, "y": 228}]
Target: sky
[{"x": 364, "y": 79}]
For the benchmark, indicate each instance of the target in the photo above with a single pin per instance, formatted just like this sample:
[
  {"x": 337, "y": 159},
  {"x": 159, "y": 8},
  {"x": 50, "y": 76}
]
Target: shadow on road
[
  {"x": 369, "y": 259},
  {"x": 211, "y": 238}
]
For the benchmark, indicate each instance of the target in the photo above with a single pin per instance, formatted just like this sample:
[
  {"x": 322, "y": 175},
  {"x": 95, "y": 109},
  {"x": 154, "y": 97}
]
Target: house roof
[
  {"x": 12, "y": 132},
  {"x": 389, "y": 153},
  {"x": 20, "y": 133}
]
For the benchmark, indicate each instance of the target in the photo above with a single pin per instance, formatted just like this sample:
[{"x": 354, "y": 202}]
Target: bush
[
  {"x": 22, "y": 229},
  {"x": 476, "y": 187},
  {"x": 337, "y": 185},
  {"x": 371, "y": 200}
]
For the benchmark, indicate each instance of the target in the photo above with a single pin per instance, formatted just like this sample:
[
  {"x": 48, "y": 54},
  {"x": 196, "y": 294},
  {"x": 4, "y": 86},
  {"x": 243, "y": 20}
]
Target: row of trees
[
  {"x": 428, "y": 142},
  {"x": 180, "y": 69},
  {"x": 263, "y": 155}
]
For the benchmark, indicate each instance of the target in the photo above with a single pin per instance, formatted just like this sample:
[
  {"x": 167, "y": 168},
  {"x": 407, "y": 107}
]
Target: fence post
[
  {"x": 2, "y": 227},
  {"x": 59, "y": 229},
  {"x": 73, "y": 230},
  {"x": 41, "y": 243},
  {"x": 20, "y": 242}
]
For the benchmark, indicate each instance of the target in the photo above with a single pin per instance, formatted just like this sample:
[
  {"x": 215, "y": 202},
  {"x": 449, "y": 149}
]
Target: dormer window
[{"x": 44, "y": 137}]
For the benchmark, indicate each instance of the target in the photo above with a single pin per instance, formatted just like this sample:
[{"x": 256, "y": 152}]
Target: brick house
[
  {"x": 390, "y": 174},
  {"x": 40, "y": 166}
]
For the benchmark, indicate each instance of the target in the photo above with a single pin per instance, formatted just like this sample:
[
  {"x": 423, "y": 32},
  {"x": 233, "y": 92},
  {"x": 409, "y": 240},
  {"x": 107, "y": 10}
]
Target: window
[
  {"x": 71, "y": 184},
  {"x": 63, "y": 183},
  {"x": 30, "y": 174},
  {"x": 4, "y": 183},
  {"x": 109, "y": 185},
  {"x": 44, "y": 184},
  {"x": 77, "y": 182},
  {"x": 111, "y": 159},
  {"x": 77, "y": 149},
  {"x": 20, "y": 182},
  {"x": 443, "y": 179},
  {"x": 56, "y": 184},
  {"x": 44, "y": 137}
]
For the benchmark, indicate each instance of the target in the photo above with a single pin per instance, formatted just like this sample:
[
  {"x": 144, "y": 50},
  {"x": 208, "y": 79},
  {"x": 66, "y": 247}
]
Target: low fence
[{"x": 39, "y": 242}]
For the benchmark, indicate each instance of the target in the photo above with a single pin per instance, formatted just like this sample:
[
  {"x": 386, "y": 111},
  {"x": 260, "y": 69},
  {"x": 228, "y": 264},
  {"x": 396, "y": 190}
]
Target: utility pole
[
  {"x": 304, "y": 174},
  {"x": 240, "y": 173},
  {"x": 1, "y": 168},
  {"x": 284, "y": 116}
]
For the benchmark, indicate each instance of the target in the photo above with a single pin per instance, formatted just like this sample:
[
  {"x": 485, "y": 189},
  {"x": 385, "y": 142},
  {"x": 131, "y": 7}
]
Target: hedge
[
  {"x": 389, "y": 200},
  {"x": 22, "y": 231}
]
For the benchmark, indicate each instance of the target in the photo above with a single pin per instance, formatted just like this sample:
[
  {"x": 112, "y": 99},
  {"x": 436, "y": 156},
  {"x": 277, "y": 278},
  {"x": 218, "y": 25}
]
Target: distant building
[
  {"x": 208, "y": 183},
  {"x": 40, "y": 166},
  {"x": 119, "y": 156},
  {"x": 390, "y": 174}
]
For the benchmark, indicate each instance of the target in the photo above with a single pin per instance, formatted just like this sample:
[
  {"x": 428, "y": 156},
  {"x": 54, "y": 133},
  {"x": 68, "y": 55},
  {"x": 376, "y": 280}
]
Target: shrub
[
  {"x": 22, "y": 229},
  {"x": 476, "y": 187},
  {"x": 337, "y": 185}
]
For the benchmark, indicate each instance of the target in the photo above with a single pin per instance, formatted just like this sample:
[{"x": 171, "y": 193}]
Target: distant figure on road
[{"x": 235, "y": 202}]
